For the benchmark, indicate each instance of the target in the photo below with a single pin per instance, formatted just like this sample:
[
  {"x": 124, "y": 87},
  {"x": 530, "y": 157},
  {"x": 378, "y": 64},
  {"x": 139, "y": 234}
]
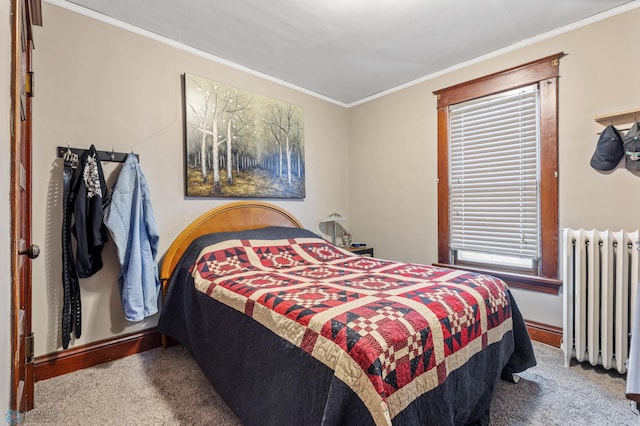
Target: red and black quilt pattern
[{"x": 400, "y": 324}]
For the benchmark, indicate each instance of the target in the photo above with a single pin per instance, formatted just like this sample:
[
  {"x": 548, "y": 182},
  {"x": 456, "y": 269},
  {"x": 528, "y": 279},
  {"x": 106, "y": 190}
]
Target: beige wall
[
  {"x": 5, "y": 241},
  {"x": 375, "y": 163},
  {"x": 392, "y": 148},
  {"x": 103, "y": 85}
]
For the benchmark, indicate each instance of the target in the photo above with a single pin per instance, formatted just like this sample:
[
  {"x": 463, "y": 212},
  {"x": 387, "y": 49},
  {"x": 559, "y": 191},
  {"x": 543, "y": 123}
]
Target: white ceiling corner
[{"x": 348, "y": 51}]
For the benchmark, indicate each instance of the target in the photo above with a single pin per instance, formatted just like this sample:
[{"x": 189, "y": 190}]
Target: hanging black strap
[{"x": 71, "y": 312}]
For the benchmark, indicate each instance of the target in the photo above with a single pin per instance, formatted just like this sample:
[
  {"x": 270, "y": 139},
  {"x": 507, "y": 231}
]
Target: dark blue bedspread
[{"x": 266, "y": 380}]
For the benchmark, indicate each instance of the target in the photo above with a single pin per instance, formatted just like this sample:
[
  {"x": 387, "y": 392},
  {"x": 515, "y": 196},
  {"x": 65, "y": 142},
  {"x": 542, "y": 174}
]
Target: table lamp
[{"x": 336, "y": 221}]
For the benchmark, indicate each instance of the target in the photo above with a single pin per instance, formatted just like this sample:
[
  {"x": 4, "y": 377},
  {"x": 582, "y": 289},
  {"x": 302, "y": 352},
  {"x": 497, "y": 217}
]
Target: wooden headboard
[{"x": 236, "y": 216}]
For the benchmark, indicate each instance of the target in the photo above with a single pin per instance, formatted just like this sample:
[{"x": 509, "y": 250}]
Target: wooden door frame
[
  {"x": 24, "y": 14},
  {"x": 16, "y": 295}
]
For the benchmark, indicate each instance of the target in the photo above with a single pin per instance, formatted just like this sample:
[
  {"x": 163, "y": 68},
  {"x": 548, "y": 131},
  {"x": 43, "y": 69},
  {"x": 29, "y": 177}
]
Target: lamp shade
[
  {"x": 333, "y": 217},
  {"x": 337, "y": 221}
]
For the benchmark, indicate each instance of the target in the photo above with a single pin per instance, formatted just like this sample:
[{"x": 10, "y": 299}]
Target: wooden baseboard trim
[
  {"x": 91, "y": 354},
  {"x": 543, "y": 333}
]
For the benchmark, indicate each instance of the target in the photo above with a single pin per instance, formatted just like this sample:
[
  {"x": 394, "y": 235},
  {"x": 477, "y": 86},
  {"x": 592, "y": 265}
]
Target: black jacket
[{"x": 89, "y": 198}]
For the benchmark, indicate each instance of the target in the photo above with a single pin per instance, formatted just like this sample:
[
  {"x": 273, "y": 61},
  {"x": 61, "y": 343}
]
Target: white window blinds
[{"x": 494, "y": 203}]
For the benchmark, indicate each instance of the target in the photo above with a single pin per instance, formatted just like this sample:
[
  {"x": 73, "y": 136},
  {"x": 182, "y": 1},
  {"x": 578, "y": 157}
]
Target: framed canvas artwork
[{"x": 240, "y": 144}]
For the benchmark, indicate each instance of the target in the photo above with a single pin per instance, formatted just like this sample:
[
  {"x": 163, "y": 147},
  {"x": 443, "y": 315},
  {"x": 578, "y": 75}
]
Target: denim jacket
[{"x": 133, "y": 228}]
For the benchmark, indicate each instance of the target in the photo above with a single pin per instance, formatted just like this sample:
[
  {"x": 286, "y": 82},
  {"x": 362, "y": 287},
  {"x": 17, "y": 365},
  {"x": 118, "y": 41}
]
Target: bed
[{"x": 290, "y": 329}]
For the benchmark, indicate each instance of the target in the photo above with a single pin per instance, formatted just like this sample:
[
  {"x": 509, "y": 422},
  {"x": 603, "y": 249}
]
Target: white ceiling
[{"x": 350, "y": 50}]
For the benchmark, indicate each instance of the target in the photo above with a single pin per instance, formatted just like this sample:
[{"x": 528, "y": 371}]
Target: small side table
[{"x": 365, "y": 251}]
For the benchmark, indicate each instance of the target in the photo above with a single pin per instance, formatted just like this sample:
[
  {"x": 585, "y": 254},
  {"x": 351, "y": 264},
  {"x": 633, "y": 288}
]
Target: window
[
  {"x": 493, "y": 180},
  {"x": 498, "y": 173}
]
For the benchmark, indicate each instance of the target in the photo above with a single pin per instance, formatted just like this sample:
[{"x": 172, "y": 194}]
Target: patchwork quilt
[{"x": 390, "y": 331}]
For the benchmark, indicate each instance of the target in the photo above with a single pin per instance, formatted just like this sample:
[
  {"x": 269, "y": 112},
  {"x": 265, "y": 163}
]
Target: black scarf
[{"x": 85, "y": 197}]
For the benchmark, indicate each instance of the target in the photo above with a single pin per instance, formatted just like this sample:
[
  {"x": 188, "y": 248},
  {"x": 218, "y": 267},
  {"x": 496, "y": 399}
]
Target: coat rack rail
[
  {"x": 113, "y": 156},
  {"x": 619, "y": 117}
]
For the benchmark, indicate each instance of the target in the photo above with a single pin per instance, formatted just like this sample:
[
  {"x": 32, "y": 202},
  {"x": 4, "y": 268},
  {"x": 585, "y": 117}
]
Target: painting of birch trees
[{"x": 239, "y": 144}]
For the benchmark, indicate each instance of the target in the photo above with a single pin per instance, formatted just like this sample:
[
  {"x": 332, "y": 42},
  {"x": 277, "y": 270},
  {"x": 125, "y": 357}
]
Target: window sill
[{"x": 525, "y": 282}]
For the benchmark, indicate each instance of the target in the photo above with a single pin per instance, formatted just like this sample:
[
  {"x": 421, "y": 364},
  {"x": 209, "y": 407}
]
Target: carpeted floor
[{"x": 166, "y": 387}]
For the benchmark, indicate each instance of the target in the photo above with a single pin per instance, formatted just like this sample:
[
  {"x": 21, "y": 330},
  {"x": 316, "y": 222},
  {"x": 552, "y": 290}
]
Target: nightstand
[{"x": 365, "y": 251}]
